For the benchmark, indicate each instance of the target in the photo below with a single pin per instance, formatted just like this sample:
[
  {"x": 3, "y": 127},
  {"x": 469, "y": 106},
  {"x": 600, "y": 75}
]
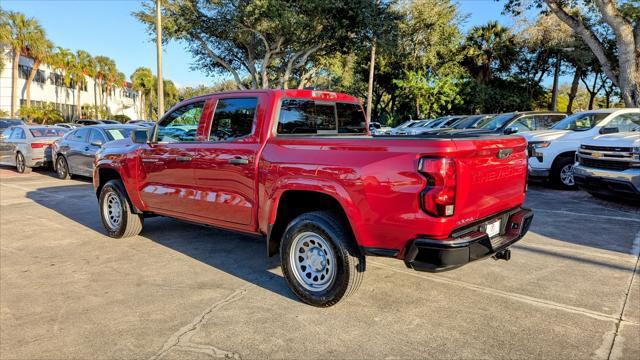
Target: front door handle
[
  {"x": 238, "y": 161},
  {"x": 183, "y": 158}
]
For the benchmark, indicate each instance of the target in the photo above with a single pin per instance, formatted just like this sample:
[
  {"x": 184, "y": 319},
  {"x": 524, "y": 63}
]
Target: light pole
[
  {"x": 160, "y": 96},
  {"x": 371, "y": 70}
]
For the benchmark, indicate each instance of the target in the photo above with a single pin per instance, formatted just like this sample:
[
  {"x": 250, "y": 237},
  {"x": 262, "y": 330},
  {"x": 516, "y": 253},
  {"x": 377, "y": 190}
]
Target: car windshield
[
  {"x": 498, "y": 121},
  {"x": 117, "y": 134},
  {"x": 48, "y": 132},
  {"x": 580, "y": 122}
]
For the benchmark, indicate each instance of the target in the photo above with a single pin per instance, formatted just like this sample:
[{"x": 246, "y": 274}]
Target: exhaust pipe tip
[{"x": 503, "y": 255}]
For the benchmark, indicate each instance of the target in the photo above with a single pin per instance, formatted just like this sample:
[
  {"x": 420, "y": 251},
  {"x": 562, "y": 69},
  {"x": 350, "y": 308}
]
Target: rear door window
[
  {"x": 80, "y": 135},
  {"x": 321, "y": 118},
  {"x": 96, "y": 137},
  {"x": 233, "y": 119}
]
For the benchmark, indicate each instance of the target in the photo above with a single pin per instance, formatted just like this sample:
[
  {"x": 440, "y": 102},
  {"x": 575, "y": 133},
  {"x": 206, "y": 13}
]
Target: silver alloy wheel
[
  {"x": 312, "y": 261},
  {"x": 61, "y": 166},
  {"x": 20, "y": 165},
  {"x": 566, "y": 175},
  {"x": 112, "y": 211}
]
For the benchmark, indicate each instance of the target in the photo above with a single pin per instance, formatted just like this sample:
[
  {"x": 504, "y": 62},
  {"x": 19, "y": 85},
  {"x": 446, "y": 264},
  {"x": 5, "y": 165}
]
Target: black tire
[
  {"x": 559, "y": 178},
  {"x": 349, "y": 263},
  {"x": 21, "y": 164},
  {"x": 62, "y": 168},
  {"x": 130, "y": 223}
]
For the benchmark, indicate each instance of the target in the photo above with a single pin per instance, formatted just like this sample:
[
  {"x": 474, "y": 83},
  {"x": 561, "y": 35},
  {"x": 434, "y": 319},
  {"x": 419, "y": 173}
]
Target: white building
[{"x": 48, "y": 86}]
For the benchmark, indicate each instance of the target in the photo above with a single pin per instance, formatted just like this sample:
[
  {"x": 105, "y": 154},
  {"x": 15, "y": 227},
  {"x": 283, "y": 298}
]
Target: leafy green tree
[
  {"x": 594, "y": 21},
  {"x": 39, "y": 50},
  {"x": 434, "y": 95},
  {"x": 269, "y": 40},
  {"x": 488, "y": 49}
]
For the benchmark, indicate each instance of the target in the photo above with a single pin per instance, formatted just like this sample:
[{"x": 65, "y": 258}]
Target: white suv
[{"x": 552, "y": 152}]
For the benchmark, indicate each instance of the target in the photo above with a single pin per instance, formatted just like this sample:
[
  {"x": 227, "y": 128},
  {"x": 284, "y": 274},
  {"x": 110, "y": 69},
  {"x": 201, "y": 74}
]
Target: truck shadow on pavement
[{"x": 239, "y": 255}]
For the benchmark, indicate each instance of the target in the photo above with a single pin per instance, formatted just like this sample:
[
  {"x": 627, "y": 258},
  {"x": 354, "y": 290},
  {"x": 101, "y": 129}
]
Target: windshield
[
  {"x": 118, "y": 134},
  {"x": 580, "y": 122},
  {"x": 498, "y": 121},
  {"x": 48, "y": 132}
]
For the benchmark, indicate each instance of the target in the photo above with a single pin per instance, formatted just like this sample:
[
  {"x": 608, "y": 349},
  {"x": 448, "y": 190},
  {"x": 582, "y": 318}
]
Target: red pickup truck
[{"x": 300, "y": 168}]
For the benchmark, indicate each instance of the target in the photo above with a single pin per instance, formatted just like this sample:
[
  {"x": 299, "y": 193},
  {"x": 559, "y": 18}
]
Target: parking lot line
[
  {"x": 610, "y": 217},
  {"x": 23, "y": 188},
  {"x": 514, "y": 296}
]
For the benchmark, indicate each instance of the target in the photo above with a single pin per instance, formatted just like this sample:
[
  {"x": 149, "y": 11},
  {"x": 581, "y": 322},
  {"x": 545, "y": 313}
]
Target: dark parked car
[
  {"x": 6, "y": 123},
  {"x": 74, "y": 153}
]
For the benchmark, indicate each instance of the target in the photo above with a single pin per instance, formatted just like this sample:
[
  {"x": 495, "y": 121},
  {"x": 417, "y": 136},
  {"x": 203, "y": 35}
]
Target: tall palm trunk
[
  {"x": 95, "y": 95},
  {"x": 78, "y": 107},
  {"x": 32, "y": 75},
  {"x": 14, "y": 83}
]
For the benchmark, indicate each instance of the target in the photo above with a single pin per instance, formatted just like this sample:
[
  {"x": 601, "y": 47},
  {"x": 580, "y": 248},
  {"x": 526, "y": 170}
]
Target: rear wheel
[
  {"x": 62, "y": 169},
  {"x": 319, "y": 260},
  {"x": 115, "y": 211},
  {"x": 563, "y": 173},
  {"x": 21, "y": 164}
]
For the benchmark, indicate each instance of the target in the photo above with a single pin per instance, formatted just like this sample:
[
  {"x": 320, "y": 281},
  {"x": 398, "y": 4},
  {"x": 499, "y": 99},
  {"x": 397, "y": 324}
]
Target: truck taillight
[
  {"x": 439, "y": 197},
  {"x": 38, "y": 145}
]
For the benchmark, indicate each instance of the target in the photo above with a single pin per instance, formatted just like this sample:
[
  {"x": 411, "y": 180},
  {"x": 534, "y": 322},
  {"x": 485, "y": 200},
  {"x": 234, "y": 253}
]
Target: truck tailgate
[{"x": 491, "y": 176}]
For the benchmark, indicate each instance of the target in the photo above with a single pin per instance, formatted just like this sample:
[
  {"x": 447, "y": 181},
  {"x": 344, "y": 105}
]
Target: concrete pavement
[{"x": 180, "y": 291}]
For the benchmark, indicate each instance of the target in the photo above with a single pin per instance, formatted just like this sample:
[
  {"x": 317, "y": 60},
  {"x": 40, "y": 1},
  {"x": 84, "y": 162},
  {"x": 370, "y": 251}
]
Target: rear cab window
[{"x": 314, "y": 117}]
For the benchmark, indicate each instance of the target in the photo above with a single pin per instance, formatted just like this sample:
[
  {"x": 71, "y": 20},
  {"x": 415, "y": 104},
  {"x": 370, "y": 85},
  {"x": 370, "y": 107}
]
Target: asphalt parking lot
[{"x": 571, "y": 289}]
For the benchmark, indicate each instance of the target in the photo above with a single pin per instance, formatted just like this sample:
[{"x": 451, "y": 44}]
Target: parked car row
[
  {"x": 553, "y": 142},
  {"x": 70, "y": 150}
]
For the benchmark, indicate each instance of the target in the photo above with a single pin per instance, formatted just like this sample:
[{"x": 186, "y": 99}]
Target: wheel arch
[
  {"x": 563, "y": 155},
  {"x": 294, "y": 202}
]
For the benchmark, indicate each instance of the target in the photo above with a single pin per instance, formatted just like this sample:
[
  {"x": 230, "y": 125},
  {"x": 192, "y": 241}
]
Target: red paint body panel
[{"x": 376, "y": 180}]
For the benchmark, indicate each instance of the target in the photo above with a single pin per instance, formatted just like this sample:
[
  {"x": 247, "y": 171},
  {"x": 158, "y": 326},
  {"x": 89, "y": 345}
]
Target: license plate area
[{"x": 493, "y": 228}]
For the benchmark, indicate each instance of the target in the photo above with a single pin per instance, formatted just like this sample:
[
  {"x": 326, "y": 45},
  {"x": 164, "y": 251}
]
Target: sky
[{"x": 106, "y": 27}]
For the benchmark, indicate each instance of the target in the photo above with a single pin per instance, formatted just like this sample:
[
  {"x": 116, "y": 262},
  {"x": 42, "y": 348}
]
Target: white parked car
[
  {"x": 609, "y": 165},
  {"x": 28, "y": 146},
  {"x": 552, "y": 152}
]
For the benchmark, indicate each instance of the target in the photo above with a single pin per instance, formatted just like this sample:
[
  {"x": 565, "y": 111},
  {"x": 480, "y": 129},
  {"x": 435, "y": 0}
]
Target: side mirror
[
  {"x": 609, "y": 130},
  {"x": 510, "y": 130},
  {"x": 140, "y": 136},
  {"x": 97, "y": 143}
]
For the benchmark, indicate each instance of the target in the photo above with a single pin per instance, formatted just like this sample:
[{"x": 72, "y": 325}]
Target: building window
[
  {"x": 23, "y": 71},
  {"x": 40, "y": 77}
]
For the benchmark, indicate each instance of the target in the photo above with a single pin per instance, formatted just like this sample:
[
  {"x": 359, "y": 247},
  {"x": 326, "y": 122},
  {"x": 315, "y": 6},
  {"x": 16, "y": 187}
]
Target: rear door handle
[
  {"x": 183, "y": 158},
  {"x": 238, "y": 161}
]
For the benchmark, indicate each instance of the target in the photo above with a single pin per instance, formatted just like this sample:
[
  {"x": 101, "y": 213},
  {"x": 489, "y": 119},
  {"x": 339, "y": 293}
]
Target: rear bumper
[{"x": 468, "y": 245}]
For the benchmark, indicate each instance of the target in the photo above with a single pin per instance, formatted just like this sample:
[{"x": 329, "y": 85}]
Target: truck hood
[
  {"x": 623, "y": 139},
  {"x": 544, "y": 135}
]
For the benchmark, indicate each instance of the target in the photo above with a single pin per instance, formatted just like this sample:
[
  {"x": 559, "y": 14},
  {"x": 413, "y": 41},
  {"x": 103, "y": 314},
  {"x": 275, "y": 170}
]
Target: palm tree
[
  {"x": 39, "y": 49},
  {"x": 487, "y": 47},
  {"x": 18, "y": 31},
  {"x": 102, "y": 69},
  {"x": 142, "y": 81},
  {"x": 84, "y": 67}
]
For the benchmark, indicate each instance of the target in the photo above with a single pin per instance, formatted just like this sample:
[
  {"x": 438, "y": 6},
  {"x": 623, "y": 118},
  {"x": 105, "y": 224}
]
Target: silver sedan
[{"x": 28, "y": 146}]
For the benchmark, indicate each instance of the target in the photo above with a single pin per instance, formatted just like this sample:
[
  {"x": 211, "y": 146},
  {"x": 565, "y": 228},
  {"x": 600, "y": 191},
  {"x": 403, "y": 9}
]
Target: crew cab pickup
[{"x": 300, "y": 168}]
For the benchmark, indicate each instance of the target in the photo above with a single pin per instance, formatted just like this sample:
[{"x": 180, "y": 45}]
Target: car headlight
[{"x": 541, "y": 144}]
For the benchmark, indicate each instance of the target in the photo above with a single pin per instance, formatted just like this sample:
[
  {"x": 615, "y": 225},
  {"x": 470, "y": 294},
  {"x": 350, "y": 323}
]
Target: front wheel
[
  {"x": 319, "y": 260},
  {"x": 115, "y": 211},
  {"x": 21, "y": 164},
  {"x": 563, "y": 174}
]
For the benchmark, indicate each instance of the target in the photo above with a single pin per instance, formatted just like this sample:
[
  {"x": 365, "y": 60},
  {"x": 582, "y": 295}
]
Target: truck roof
[{"x": 293, "y": 93}]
